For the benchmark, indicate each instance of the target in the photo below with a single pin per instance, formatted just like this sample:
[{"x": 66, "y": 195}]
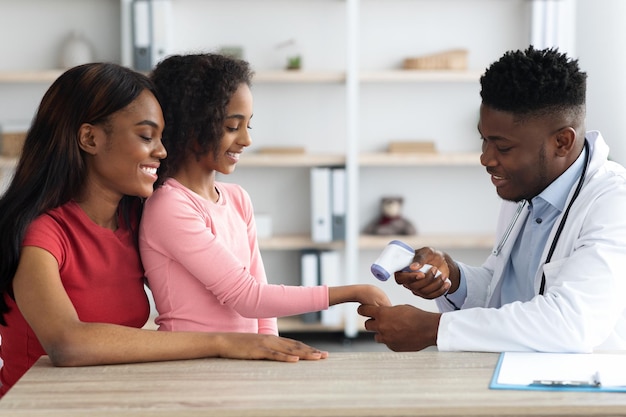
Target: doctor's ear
[
  {"x": 86, "y": 138},
  {"x": 565, "y": 139}
]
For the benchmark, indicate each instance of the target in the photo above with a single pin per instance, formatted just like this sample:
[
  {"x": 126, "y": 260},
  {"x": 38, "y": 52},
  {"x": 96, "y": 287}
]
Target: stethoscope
[{"x": 520, "y": 208}]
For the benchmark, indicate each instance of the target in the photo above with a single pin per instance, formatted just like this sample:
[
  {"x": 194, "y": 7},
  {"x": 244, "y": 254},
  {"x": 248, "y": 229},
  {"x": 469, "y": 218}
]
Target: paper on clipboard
[{"x": 522, "y": 370}]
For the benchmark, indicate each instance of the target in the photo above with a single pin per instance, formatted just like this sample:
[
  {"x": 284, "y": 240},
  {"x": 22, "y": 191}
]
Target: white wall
[
  {"x": 32, "y": 33},
  {"x": 601, "y": 48}
]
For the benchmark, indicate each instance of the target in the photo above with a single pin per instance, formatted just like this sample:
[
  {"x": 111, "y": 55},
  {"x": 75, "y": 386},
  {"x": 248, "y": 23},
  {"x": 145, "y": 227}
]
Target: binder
[
  {"x": 330, "y": 275},
  {"x": 151, "y": 32},
  {"x": 338, "y": 211},
  {"x": 321, "y": 218},
  {"x": 310, "y": 277},
  {"x": 142, "y": 49}
]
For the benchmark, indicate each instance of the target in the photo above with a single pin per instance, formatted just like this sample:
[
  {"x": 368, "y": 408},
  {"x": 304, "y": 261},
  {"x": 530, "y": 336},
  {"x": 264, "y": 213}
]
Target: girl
[{"x": 198, "y": 237}]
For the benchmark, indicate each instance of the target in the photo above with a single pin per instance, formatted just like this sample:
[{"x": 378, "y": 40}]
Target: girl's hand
[{"x": 362, "y": 293}]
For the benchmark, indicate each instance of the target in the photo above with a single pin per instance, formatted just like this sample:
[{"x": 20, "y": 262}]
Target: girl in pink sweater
[{"x": 198, "y": 237}]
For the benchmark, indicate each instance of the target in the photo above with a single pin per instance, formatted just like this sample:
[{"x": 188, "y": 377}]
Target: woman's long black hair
[{"x": 51, "y": 169}]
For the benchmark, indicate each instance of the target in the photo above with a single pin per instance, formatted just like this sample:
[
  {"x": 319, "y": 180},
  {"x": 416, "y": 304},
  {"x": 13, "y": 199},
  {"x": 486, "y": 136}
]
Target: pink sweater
[{"x": 204, "y": 268}]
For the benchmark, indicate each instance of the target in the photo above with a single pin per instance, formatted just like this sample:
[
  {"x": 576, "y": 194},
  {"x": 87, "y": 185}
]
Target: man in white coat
[{"x": 556, "y": 278}]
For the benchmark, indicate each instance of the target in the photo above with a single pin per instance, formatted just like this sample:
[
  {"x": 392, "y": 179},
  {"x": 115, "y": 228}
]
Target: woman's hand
[{"x": 264, "y": 346}]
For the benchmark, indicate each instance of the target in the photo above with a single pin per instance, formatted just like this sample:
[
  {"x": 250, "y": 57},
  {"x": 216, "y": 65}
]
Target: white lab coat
[{"x": 584, "y": 304}]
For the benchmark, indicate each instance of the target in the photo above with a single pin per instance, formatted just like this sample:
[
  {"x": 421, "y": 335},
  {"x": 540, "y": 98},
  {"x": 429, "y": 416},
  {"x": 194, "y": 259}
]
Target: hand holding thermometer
[{"x": 397, "y": 256}]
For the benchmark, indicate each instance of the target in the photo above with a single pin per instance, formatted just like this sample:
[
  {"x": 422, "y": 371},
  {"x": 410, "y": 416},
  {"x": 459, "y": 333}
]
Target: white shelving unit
[{"x": 349, "y": 100}]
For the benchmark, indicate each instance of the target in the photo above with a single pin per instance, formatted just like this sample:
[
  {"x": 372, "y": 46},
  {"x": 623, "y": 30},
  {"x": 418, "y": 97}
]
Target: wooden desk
[{"x": 426, "y": 383}]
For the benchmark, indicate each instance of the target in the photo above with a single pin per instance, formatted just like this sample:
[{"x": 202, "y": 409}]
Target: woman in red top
[{"x": 70, "y": 275}]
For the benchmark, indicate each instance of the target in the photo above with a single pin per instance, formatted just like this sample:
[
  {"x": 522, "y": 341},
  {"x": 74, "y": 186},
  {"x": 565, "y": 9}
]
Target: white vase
[{"x": 76, "y": 50}]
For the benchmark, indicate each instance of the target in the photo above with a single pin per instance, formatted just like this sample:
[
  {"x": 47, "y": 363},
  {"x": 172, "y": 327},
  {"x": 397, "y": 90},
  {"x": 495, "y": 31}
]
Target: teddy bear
[{"x": 390, "y": 221}]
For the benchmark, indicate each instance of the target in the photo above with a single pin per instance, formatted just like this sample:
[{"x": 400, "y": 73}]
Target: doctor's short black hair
[{"x": 534, "y": 82}]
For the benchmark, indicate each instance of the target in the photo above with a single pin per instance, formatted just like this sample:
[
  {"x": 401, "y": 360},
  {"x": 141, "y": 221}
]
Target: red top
[{"x": 100, "y": 270}]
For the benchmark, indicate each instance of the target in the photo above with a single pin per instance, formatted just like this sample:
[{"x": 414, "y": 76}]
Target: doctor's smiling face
[{"x": 520, "y": 154}]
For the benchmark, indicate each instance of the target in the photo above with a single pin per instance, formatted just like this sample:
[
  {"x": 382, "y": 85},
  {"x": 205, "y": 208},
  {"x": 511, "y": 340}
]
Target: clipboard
[{"x": 581, "y": 372}]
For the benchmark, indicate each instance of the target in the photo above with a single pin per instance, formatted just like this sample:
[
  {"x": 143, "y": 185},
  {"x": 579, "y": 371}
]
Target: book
[
  {"x": 142, "y": 35},
  {"x": 411, "y": 147},
  {"x": 12, "y": 137},
  {"x": 281, "y": 150},
  {"x": 151, "y": 27}
]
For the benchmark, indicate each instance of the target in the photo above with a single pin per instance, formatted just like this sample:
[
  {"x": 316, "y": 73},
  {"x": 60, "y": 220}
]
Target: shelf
[
  {"x": 368, "y": 76},
  {"x": 299, "y": 77},
  {"x": 45, "y": 76},
  {"x": 297, "y": 242},
  {"x": 7, "y": 162},
  {"x": 270, "y": 160},
  {"x": 418, "y": 159},
  {"x": 474, "y": 241},
  {"x": 294, "y": 324},
  {"x": 283, "y": 76},
  {"x": 382, "y": 159},
  {"x": 48, "y": 76},
  {"x": 420, "y": 76}
]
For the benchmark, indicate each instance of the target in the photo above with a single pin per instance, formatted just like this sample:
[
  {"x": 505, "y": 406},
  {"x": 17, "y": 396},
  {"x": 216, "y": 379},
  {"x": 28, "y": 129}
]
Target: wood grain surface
[{"x": 428, "y": 383}]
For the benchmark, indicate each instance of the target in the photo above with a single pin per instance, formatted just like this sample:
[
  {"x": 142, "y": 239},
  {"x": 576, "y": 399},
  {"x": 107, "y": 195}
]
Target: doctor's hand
[
  {"x": 427, "y": 284},
  {"x": 402, "y": 328}
]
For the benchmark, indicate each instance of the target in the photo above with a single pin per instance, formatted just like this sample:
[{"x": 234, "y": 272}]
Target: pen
[{"x": 593, "y": 382}]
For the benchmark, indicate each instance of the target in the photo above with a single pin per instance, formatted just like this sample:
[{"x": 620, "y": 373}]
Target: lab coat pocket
[{"x": 553, "y": 274}]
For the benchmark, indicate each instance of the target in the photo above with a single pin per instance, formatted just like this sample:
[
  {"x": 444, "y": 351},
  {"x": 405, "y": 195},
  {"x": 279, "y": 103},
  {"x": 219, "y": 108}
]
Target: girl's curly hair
[
  {"x": 194, "y": 91},
  {"x": 534, "y": 82}
]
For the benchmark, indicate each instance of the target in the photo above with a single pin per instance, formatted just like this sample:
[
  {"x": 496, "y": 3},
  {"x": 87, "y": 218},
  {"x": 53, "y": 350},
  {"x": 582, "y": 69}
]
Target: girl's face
[
  {"x": 128, "y": 148},
  {"x": 236, "y": 134}
]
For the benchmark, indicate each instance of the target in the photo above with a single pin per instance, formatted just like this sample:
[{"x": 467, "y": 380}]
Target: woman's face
[
  {"x": 129, "y": 148},
  {"x": 236, "y": 135}
]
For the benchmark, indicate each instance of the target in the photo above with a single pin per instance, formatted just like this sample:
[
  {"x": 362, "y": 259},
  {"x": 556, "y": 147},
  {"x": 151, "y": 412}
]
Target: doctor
[{"x": 556, "y": 278}]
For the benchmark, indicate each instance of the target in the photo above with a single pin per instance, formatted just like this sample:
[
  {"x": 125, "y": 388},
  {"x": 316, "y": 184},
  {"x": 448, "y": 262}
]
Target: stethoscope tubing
[{"x": 559, "y": 230}]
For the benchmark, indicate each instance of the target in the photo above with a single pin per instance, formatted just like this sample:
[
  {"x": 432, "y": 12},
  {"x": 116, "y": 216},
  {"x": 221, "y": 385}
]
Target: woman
[
  {"x": 197, "y": 236},
  {"x": 70, "y": 272}
]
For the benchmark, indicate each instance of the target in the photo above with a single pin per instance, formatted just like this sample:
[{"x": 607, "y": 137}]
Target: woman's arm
[{"x": 47, "y": 308}]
